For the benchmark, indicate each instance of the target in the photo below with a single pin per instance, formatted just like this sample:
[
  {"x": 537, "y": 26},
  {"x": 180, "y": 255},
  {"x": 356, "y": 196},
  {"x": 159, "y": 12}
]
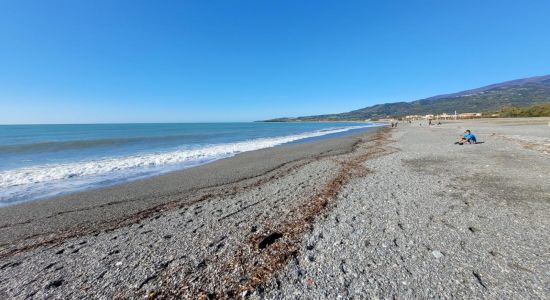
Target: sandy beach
[{"x": 390, "y": 213}]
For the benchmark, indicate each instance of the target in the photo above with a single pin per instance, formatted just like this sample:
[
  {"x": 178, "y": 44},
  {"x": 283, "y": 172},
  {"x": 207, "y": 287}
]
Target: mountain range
[{"x": 491, "y": 98}]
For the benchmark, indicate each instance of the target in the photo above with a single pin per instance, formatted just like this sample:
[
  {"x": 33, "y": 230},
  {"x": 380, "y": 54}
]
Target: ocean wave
[
  {"x": 81, "y": 144},
  {"x": 56, "y": 172}
]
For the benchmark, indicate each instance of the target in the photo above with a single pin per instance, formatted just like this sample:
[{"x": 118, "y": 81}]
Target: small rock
[
  {"x": 118, "y": 263},
  {"x": 437, "y": 254},
  {"x": 54, "y": 284}
]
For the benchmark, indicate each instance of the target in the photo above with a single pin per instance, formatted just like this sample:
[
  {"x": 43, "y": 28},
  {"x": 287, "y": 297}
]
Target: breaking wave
[{"x": 45, "y": 179}]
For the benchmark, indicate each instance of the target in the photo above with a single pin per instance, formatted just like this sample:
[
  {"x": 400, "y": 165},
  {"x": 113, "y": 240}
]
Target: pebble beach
[{"x": 388, "y": 213}]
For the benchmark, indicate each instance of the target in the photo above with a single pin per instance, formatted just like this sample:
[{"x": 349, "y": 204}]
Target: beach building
[
  {"x": 444, "y": 116},
  {"x": 413, "y": 117},
  {"x": 469, "y": 115}
]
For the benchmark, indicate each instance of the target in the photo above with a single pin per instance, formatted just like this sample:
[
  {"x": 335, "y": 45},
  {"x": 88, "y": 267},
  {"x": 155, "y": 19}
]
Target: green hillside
[
  {"x": 539, "y": 110},
  {"x": 517, "y": 93}
]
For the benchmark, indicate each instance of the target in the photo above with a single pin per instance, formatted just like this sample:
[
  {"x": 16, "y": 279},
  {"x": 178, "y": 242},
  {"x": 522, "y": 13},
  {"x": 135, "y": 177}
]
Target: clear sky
[{"x": 93, "y": 61}]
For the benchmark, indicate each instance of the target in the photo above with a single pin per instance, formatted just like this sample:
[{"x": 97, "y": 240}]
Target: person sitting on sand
[{"x": 468, "y": 137}]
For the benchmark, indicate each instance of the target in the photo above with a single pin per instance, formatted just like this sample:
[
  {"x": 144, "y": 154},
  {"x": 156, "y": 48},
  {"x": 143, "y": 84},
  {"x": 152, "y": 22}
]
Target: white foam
[{"x": 15, "y": 181}]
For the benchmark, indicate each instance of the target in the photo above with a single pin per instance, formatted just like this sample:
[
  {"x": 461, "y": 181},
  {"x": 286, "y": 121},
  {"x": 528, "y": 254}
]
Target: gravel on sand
[{"x": 395, "y": 213}]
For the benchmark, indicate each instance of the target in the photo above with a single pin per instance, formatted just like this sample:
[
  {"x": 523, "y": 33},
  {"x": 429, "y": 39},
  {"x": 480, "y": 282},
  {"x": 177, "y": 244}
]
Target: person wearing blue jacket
[{"x": 468, "y": 137}]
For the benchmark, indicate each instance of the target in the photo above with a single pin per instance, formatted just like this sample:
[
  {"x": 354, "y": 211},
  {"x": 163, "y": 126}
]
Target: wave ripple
[{"x": 51, "y": 179}]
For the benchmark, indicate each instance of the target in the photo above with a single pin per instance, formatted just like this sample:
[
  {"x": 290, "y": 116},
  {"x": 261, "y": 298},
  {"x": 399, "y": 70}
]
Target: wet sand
[
  {"x": 91, "y": 208},
  {"x": 395, "y": 213}
]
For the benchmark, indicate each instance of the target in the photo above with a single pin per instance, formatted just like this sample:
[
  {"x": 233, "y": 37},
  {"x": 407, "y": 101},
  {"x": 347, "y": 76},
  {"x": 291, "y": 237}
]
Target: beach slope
[{"x": 394, "y": 213}]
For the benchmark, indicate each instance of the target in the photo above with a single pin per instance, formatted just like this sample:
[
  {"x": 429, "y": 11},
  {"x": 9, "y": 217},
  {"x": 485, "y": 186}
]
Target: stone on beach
[{"x": 368, "y": 216}]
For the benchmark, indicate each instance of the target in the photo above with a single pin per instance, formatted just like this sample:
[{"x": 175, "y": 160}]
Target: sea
[{"x": 41, "y": 161}]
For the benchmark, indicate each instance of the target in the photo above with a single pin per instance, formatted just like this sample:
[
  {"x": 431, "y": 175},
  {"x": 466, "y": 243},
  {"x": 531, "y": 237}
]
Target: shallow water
[{"x": 38, "y": 161}]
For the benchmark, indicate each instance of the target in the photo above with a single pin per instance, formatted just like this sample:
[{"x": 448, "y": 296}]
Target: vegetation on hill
[
  {"x": 517, "y": 93},
  {"x": 542, "y": 110}
]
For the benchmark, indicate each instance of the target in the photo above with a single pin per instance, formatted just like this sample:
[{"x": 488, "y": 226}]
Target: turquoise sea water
[{"x": 38, "y": 161}]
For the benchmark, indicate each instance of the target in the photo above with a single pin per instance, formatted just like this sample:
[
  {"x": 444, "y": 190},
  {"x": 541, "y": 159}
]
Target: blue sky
[{"x": 191, "y": 61}]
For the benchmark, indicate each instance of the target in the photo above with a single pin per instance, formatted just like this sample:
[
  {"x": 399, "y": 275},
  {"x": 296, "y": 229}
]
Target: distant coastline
[{"x": 488, "y": 100}]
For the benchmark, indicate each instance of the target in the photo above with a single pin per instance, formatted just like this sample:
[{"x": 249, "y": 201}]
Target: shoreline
[
  {"x": 43, "y": 180},
  {"x": 137, "y": 195},
  {"x": 398, "y": 213}
]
